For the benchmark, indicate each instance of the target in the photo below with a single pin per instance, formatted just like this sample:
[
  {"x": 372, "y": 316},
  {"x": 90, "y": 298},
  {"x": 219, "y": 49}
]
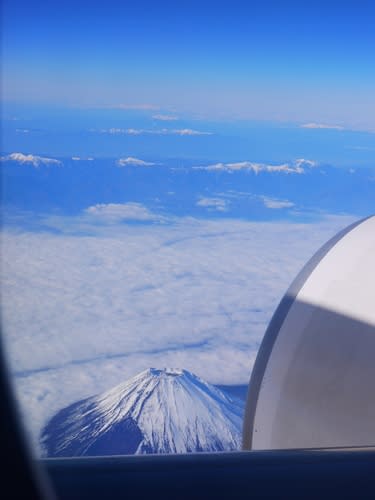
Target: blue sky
[{"x": 269, "y": 60}]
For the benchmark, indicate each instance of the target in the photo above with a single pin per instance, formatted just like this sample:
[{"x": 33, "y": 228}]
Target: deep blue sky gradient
[{"x": 264, "y": 60}]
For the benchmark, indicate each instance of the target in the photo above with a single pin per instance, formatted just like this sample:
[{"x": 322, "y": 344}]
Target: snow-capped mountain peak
[{"x": 158, "y": 411}]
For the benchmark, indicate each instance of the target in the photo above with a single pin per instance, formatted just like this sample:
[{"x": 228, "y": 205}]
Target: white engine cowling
[{"x": 313, "y": 380}]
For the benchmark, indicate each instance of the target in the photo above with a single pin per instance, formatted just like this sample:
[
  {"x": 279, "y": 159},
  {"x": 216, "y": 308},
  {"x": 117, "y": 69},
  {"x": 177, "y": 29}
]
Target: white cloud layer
[
  {"x": 30, "y": 159},
  {"x": 133, "y": 162},
  {"x": 297, "y": 167},
  {"x": 82, "y": 313}
]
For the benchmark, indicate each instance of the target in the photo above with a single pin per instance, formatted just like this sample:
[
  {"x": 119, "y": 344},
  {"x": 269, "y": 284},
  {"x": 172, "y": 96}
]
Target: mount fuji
[{"x": 157, "y": 411}]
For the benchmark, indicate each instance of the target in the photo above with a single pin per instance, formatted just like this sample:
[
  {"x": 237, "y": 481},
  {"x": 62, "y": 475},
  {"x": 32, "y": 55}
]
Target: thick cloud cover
[{"x": 83, "y": 313}]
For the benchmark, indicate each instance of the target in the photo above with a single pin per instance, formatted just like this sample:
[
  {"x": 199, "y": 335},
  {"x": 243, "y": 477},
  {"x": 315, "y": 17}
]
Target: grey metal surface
[{"x": 311, "y": 381}]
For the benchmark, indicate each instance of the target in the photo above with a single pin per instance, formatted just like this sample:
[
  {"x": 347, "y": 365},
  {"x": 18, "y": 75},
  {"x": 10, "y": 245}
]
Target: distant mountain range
[
  {"x": 171, "y": 188},
  {"x": 157, "y": 411}
]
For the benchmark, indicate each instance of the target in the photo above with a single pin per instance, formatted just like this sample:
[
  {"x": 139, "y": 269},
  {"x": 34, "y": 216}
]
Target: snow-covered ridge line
[
  {"x": 296, "y": 167},
  {"x": 34, "y": 160},
  {"x": 130, "y": 161}
]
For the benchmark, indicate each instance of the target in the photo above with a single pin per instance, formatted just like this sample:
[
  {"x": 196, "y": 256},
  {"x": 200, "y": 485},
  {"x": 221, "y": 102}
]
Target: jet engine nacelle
[{"x": 313, "y": 380}]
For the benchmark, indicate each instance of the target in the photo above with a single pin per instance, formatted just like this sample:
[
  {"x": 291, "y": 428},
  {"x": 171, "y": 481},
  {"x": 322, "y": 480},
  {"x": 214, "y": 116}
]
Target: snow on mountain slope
[{"x": 157, "y": 411}]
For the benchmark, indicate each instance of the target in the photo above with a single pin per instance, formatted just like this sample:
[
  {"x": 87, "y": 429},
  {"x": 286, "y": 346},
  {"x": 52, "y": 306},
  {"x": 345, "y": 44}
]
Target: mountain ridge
[{"x": 158, "y": 411}]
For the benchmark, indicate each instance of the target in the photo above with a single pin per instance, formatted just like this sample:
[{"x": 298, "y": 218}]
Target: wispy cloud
[
  {"x": 133, "y": 162},
  {"x": 302, "y": 162},
  {"x": 127, "y": 131},
  {"x": 189, "y": 131},
  {"x": 276, "y": 203},
  {"x": 165, "y": 118},
  {"x": 361, "y": 148},
  {"x": 140, "y": 131},
  {"x": 30, "y": 159},
  {"x": 322, "y": 126},
  {"x": 213, "y": 203},
  {"x": 116, "y": 212},
  {"x": 135, "y": 107},
  {"x": 296, "y": 167}
]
